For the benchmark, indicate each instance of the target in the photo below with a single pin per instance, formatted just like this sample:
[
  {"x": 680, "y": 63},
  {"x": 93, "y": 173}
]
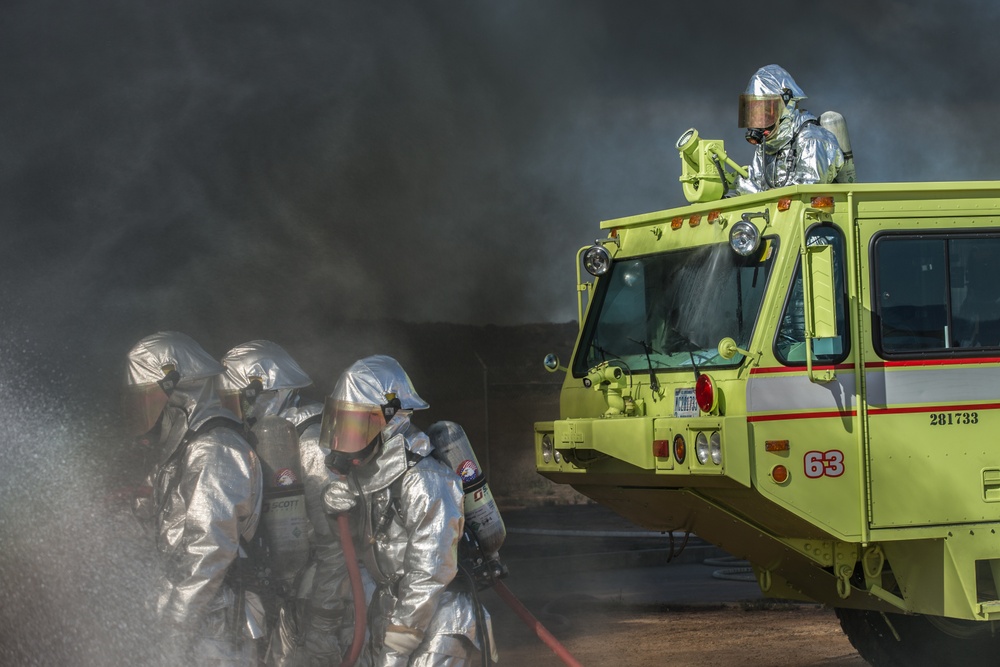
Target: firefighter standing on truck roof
[
  {"x": 206, "y": 497},
  {"x": 792, "y": 147},
  {"x": 316, "y": 626},
  {"x": 412, "y": 508}
]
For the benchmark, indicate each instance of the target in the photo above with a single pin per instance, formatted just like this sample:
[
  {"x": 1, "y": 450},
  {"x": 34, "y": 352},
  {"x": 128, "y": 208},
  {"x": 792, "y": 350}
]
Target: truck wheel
[{"x": 923, "y": 640}]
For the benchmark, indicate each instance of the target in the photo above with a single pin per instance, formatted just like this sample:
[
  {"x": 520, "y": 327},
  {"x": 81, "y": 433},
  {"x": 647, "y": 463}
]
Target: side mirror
[
  {"x": 728, "y": 349},
  {"x": 821, "y": 308},
  {"x": 820, "y": 303},
  {"x": 552, "y": 365}
]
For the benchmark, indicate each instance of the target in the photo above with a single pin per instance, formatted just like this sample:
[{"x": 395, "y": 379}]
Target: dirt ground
[{"x": 779, "y": 636}]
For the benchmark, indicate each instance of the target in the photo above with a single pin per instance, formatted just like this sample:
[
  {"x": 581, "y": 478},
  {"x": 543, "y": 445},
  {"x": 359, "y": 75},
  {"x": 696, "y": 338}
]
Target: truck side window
[
  {"x": 789, "y": 346},
  {"x": 936, "y": 292}
]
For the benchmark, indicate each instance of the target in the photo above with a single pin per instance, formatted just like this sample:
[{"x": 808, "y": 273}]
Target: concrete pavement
[{"x": 586, "y": 552}]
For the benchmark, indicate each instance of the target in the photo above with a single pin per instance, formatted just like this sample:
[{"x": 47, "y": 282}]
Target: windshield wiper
[
  {"x": 681, "y": 343},
  {"x": 604, "y": 353},
  {"x": 654, "y": 384}
]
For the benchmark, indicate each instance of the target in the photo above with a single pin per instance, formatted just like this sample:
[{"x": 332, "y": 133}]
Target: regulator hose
[
  {"x": 535, "y": 625},
  {"x": 357, "y": 591}
]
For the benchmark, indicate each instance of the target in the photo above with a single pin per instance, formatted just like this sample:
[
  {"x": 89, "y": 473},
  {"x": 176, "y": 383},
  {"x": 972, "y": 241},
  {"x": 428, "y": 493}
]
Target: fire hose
[
  {"x": 360, "y": 611},
  {"x": 357, "y": 591},
  {"x": 535, "y": 624}
]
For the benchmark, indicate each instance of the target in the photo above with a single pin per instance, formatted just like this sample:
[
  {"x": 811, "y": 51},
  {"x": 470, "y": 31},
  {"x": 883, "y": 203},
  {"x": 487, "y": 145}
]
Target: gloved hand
[
  {"x": 402, "y": 639},
  {"x": 339, "y": 498}
]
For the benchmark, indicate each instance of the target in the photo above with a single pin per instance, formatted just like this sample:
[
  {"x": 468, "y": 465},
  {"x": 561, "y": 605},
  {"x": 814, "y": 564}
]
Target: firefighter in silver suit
[
  {"x": 315, "y": 629},
  {"x": 411, "y": 506},
  {"x": 792, "y": 147},
  {"x": 204, "y": 498}
]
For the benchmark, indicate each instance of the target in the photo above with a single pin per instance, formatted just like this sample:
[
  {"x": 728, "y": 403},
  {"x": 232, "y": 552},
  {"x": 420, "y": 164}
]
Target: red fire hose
[
  {"x": 357, "y": 591},
  {"x": 360, "y": 610},
  {"x": 535, "y": 624}
]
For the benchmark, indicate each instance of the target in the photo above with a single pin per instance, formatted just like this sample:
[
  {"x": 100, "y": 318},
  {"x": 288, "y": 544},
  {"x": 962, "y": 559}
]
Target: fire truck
[{"x": 809, "y": 378}]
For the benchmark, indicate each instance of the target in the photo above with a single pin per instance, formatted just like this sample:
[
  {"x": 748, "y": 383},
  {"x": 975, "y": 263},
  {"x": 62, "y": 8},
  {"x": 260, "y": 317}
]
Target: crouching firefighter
[
  {"x": 410, "y": 505},
  {"x": 204, "y": 502}
]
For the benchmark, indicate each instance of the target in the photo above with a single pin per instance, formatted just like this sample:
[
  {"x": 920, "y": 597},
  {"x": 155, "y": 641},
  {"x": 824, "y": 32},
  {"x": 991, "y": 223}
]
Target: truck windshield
[{"x": 669, "y": 311}]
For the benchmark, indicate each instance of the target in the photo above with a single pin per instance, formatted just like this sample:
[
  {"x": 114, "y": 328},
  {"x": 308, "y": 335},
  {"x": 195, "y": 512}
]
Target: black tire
[{"x": 923, "y": 640}]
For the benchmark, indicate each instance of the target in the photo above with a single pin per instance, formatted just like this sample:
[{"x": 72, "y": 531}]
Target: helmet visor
[
  {"x": 141, "y": 407},
  {"x": 760, "y": 111},
  {"x": 231, "y": 401},
  {"x": 350, "y": 427}
]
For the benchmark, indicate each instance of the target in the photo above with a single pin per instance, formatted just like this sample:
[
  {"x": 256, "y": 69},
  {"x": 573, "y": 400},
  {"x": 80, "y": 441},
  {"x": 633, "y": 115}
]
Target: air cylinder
[
  {"x": 835, "y": 122},
  {"x": 283, "y": 509},
  {"x": 482, "y": 516}
]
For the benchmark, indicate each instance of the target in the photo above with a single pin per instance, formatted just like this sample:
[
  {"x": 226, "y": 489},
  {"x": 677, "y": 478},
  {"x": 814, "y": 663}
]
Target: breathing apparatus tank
[
  {"x": 482, "y": 517},
  {"x": 283, "y": 509},
  {"x": 835, "y": 122}
]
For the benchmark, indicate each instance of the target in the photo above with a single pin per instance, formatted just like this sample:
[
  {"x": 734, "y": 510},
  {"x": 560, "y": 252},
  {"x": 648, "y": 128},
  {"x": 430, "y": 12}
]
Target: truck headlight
[
  {"x": 701, "y": 448},
  {"x": 597, "y": 260},
  {"x": 548, "y": 447},
  {"x": 715, "y": 448},
  {"x": 744, "y": 238}
]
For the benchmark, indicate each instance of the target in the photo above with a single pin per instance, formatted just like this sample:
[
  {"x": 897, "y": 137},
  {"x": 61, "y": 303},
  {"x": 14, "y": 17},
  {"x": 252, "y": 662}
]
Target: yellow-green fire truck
[{"x": 809, "y": 378}]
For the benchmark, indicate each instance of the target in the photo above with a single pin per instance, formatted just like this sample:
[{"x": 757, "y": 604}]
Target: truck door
[
  {"x": 815, "y": 420},
  {"x": 932, "y": 377}
]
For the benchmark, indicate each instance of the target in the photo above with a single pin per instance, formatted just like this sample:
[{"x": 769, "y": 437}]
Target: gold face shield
[
  {"x": 760, "y": 111},
  {"x": 142, "y": 406},
  {"x": 350, "y": 427}
]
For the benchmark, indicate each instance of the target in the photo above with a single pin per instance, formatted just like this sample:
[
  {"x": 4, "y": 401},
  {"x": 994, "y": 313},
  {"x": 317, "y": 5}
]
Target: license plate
[{"x": 685, "y": 404}]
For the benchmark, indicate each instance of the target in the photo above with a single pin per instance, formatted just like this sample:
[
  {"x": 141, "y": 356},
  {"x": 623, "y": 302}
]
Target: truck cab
[{"x": 808, "y": 377}]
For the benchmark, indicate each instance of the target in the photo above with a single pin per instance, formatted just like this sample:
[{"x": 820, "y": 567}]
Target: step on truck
[{"x": 808, "y": 377}]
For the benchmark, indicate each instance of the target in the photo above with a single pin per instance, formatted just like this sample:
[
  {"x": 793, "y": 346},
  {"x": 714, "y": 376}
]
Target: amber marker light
[
  {"x": 695, "y": 220},
  {"x": 776, "y": 446},
  {"x": 779, "y": 474},
  {"x": 822, "y": 203},
  {"x": 784, "y": 204},
  {"x": 676, "y": 223},
  {"x": 713, "y": 217},
  {"x": 680, "y": 448}
]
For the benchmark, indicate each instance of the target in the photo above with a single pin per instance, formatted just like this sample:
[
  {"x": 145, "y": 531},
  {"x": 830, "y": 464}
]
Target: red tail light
[
  {"x": 704, "y": 393},
  {"x": 661, "y": 449}
]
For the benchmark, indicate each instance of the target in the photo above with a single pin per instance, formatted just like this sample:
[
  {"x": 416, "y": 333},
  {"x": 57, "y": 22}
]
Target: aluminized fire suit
[
  {"x": 798, "y": 150},
  {"x": 316, "y": 628},
  {"x": 206, "y": 495},
  {"x": 412, "y": 507}
]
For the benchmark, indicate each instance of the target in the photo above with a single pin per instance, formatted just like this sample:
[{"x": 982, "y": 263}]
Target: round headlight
[
  {"x": 744, "y": 238},
  {"x": 597, "y": 260},
  {"x": 701, "y": 447},
  {"x": 715, "y": 447},
  {"x": 547, "y": 447}
]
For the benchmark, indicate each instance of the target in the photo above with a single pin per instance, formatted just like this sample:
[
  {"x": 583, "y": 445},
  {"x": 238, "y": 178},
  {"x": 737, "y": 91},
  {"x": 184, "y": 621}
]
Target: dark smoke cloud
[{"x": 176, "y": 164}]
